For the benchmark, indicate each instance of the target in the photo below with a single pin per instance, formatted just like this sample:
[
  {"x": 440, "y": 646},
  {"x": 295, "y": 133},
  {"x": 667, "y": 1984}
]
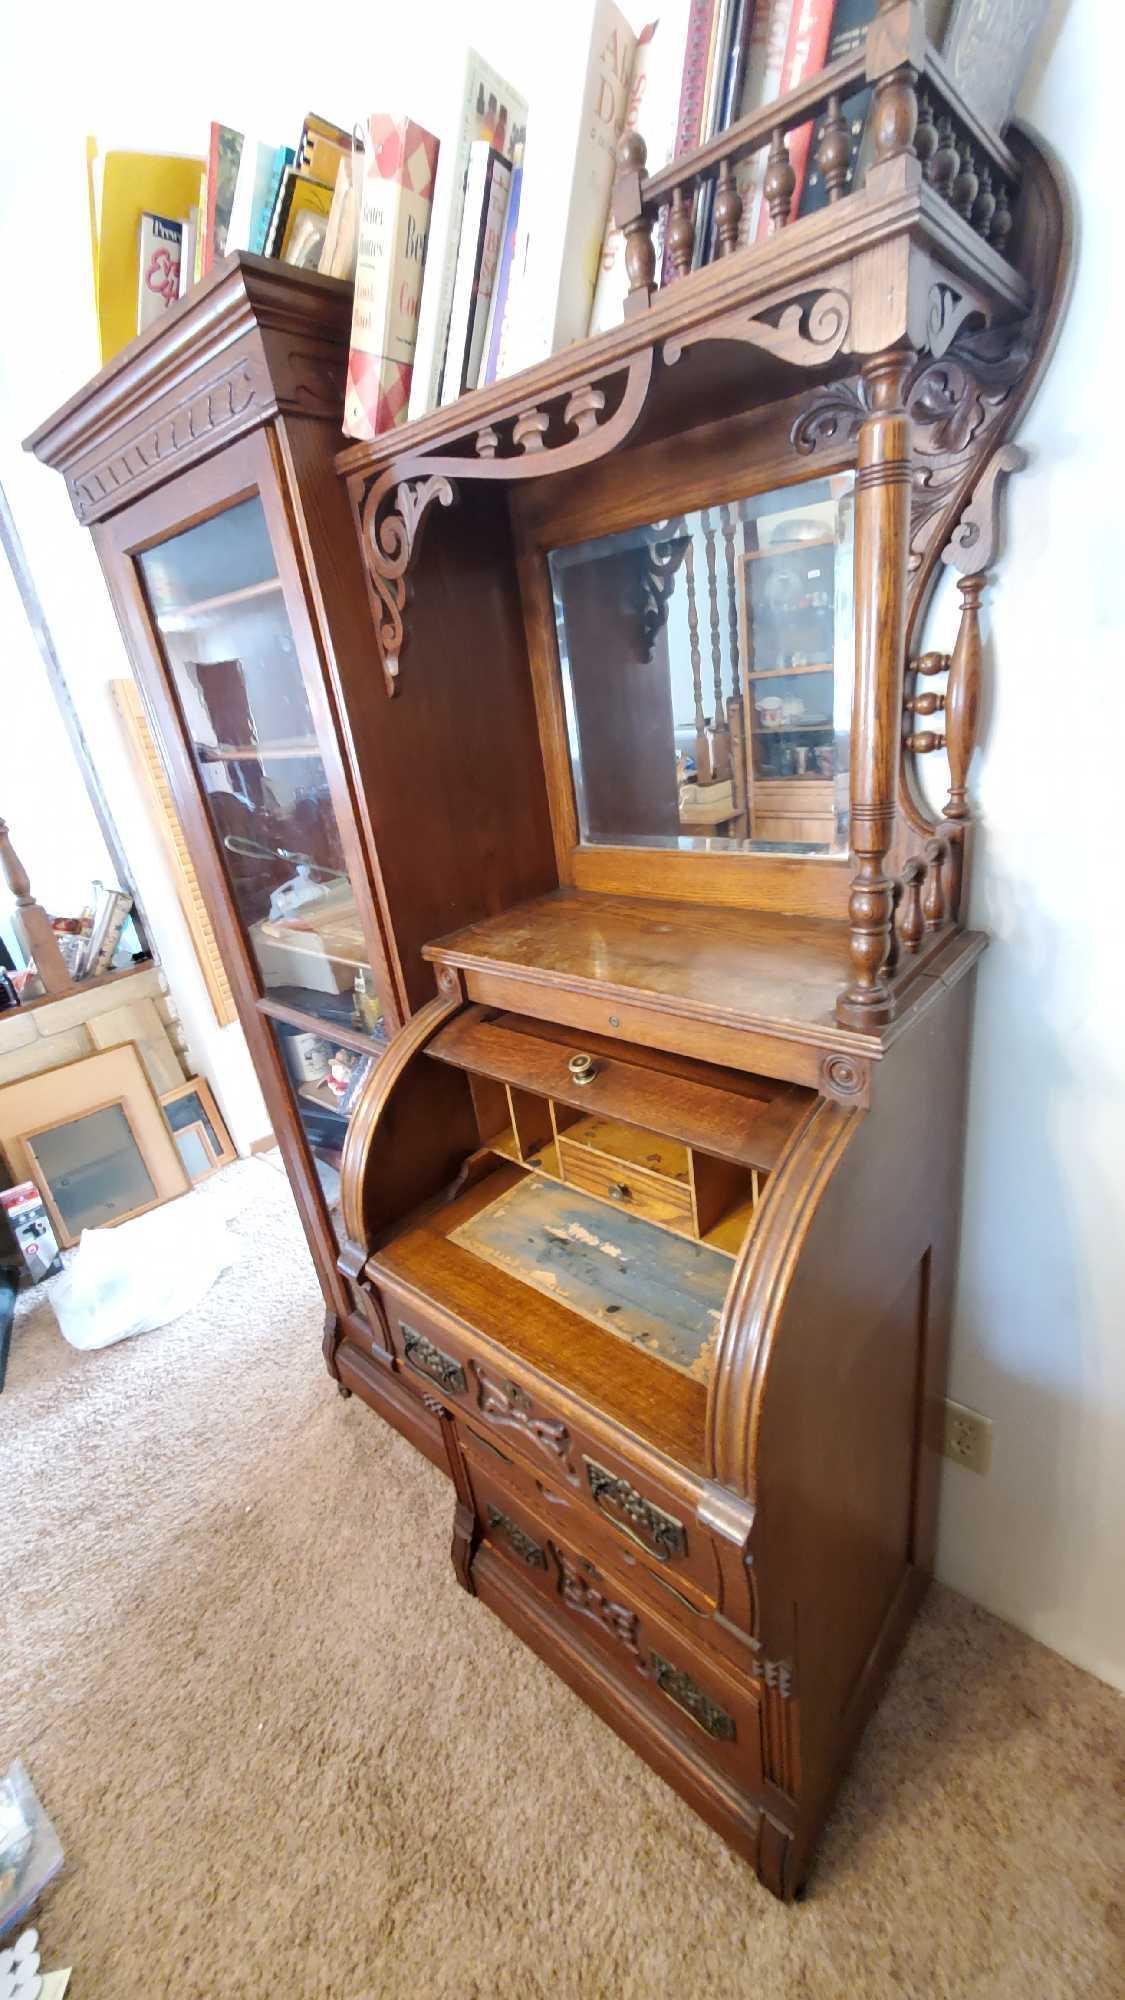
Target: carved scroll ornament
[
  {"x": 390, "y": 543},
  {"x": 807, "y": 331}
]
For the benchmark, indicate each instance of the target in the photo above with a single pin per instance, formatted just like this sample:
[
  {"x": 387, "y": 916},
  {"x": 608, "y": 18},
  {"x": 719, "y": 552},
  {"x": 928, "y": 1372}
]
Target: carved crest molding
[{"x": 185, "y": 429}]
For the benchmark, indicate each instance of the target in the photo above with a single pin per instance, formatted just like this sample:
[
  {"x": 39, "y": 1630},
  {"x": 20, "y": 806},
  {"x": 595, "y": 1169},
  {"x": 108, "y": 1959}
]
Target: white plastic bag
[{"x": 142, "y": 1274}]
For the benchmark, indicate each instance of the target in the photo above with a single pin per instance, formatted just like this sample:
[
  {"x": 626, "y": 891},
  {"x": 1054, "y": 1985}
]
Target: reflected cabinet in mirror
[{"x": 707, "y": 674}]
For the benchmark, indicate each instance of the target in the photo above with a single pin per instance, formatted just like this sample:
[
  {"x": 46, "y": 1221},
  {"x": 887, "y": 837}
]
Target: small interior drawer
[{"x": 611, "y": 1160}]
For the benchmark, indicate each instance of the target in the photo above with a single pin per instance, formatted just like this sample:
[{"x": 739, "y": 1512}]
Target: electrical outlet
[{"x": 966, "y": 1437}]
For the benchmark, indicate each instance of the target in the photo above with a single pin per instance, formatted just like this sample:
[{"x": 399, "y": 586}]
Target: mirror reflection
[{"x": 707, "y": 674}]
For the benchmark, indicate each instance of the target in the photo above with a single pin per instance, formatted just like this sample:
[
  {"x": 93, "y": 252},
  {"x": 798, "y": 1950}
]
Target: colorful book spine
[
  {"x": 488, "y": 108},
  {"x": 501, "y": 316},
  {"x": 850, "y": 22},
  {"x": 223, "y": 159},
  {"x": 161, "y": 243},
  {"x": 398, "y": 188},
  {"x": 482, "y": 227},
  {"x": 804, "y": 56}
]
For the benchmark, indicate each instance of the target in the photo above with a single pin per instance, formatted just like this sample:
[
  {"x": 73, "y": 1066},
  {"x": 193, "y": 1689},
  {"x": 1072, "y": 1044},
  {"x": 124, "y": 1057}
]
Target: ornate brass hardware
[
  {"x": 686, "y": 1695},
  {"x": 426, "y": 1359},
  {"x": 582, "y": 1068},
  {"x": 527, "y": 1550},
  {"x": 660, "y": 1534},
  {"x": 619, "y": 1192}
]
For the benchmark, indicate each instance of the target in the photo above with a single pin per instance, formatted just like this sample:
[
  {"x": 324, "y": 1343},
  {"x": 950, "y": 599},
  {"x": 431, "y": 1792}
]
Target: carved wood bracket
[
  {"x": 523, "y": 443},
  {"x": 807, "y": 331}
]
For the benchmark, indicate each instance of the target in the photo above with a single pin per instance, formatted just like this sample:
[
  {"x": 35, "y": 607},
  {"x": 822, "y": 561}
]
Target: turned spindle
[
  {"x": 966, "y": 186},
  {"x": 720, "y": 735},
  {"x": 924, "y": 741},
  {"x": 894, "y": 114},
  {"x": 529, "y": 429},
  {"x": 911, "y": 926},
  {"x": 780, "y": 181},
  {"x": 927, "y": 703},
  {"x": 930, "y": 663},
  {"x": 728, "y": 210},
  {"x": 882, "y": 538},
  {"x": 487, "y": 442},
  {"x": 630, "y": 217},
  {"x": 946, "y": 163},
  {"x": 933, "y": 890},
  {"x": 1001, "y": 220},
  {"x": 681, "y": 234},
  {"x": 730, "y": 532},
  {"x": 962, "y": 696},
  {"x": 925, "y": 136},
  {"x": 984, "y": 207},
  {"x": 31, "y": 923},
  {"x": 703, "y": 769},
  {"x": 833, "y": 152}
]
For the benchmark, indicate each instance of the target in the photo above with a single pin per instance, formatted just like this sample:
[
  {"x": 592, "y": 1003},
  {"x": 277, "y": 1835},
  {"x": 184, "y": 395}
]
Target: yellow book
[{"x": 122, "y": 187}]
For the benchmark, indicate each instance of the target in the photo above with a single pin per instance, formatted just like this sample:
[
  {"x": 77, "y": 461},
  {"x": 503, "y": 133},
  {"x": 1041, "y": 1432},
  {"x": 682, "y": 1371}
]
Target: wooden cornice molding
[{"x": 256, "y": 337}]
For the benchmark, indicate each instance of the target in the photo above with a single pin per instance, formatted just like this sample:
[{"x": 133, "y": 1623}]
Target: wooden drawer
[
  {"x": 655, "y": 1196},
  {"x": 636, "y": 1510},
  {"x": 804, "y": 797},
  {"x": 685, "y": 1689}
]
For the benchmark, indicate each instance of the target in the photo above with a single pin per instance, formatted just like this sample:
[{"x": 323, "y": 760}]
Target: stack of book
[{"x": 483, "y": 248}]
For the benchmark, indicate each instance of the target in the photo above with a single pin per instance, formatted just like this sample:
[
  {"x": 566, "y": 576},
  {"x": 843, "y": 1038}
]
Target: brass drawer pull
[
  {"x": 681, "y": 1689},
  {"x": 527, "y": 1550},
  {"x": 426, "y": 1359},
  {"x": 618, "y": 1191},
  {"x": 644, "y": 1523},
  {"x": 582, "y": 1068}
]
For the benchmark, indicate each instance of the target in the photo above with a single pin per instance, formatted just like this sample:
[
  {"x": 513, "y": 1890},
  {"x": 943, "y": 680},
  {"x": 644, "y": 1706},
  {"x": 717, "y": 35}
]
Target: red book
[
  {"x": 805, "y": 53},
  {"x": 400, "y": 161}
]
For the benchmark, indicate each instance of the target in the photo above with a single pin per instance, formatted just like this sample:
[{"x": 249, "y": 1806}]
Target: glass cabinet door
[{"x": 217, "y": 605}]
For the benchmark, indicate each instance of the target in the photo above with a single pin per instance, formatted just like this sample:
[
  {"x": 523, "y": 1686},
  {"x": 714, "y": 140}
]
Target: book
[
  {"x": 298, "y": 193},
  {"x": 158, "y": 267},
  {"x": 501, "y": 316},
  {"x": 187, "y": 250},
  {"x": 731, "y": 71},
  {"x": 122, "y": 187},
  {"x": 223, "y": 156},
  {"x": 400, "y": 165},
  {"x": 651, "y": 111},
  {"x": 323, "y": 145},
  {"x": 486, "y": 108},
  {"x": 306, "y": 220},
  {"x": 260, "y": 170},
  {"x": 568, "y": 184},
  {"x": 487, "y": 185},
  {"x": 338, "y": 251},
  {"x": 265, "y": 198},
  {"x": 769, "y": 38}
]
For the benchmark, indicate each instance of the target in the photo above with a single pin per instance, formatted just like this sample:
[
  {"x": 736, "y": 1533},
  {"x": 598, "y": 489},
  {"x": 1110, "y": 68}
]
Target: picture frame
[{"x": 201, "y": 1139}]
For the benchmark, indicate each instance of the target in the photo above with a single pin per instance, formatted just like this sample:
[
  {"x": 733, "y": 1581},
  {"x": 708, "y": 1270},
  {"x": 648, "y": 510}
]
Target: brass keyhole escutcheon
[
  {"x": 582, "y": 1068},
  {"x": 619, "y": 1191}
]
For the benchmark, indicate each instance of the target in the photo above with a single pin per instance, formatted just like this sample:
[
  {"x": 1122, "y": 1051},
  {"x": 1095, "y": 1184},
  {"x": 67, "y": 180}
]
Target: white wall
[{"x": 1039, "y": 1337}]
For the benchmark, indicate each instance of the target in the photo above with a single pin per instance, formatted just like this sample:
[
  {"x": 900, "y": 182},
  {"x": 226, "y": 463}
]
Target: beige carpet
[{"x": 288, "y": 1757}]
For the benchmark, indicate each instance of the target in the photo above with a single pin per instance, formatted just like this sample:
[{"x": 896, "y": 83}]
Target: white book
[
  {"x": 187, "y": 251},
  {"x": 654, "y": 102},
  {"x": 487, "y": 108},
  {"x": 158, "y": 271},
  {"x": 482, "y": 226},
  {"x": 568, "y": 184}
]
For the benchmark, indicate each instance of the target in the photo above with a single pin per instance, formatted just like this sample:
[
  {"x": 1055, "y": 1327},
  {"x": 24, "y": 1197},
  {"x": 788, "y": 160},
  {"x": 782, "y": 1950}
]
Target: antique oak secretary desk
[
  {"x": 652, "y": 1211},
  {"x": 649, "y": 1215}
]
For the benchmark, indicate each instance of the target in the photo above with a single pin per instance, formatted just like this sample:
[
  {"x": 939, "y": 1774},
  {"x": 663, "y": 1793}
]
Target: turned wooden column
[
  {"x": 882, "y": 541},
  {"x": 31, "y": 923}
]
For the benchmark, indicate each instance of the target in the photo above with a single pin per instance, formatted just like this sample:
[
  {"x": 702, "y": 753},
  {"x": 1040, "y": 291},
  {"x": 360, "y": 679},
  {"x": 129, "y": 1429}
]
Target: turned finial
[
  {"x": 728, "y": 210},
  {"x": 681, "y": 234},
  {"x": 632, "y": 153},
  {"x": 834, "y": 151}
]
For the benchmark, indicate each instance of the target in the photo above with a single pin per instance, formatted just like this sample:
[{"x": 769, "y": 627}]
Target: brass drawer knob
[
  {"x": 582, "y": 1068},
  {"x": 618, "y": 1191}
]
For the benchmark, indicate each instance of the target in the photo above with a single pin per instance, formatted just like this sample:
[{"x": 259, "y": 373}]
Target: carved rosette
[{"x": 390, "y": 542}]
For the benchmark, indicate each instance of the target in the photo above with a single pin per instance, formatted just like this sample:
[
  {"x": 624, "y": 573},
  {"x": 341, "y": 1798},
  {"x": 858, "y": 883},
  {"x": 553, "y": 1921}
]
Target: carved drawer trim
[
  {"x": 659, "y": 1534},
  {"x": 507, "y": 1404},
  {"x": 432, "y": 1362}
]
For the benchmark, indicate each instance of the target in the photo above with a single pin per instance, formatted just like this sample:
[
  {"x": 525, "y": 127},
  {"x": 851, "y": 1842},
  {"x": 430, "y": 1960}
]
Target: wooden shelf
[
  {"x": 231, "y": 753},
  {"x": 789, "y": 548},
  {"x": 331, "y": 1031},
  {"x": 168, "y": 619},
  {"x": 784, "y": 673}
]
